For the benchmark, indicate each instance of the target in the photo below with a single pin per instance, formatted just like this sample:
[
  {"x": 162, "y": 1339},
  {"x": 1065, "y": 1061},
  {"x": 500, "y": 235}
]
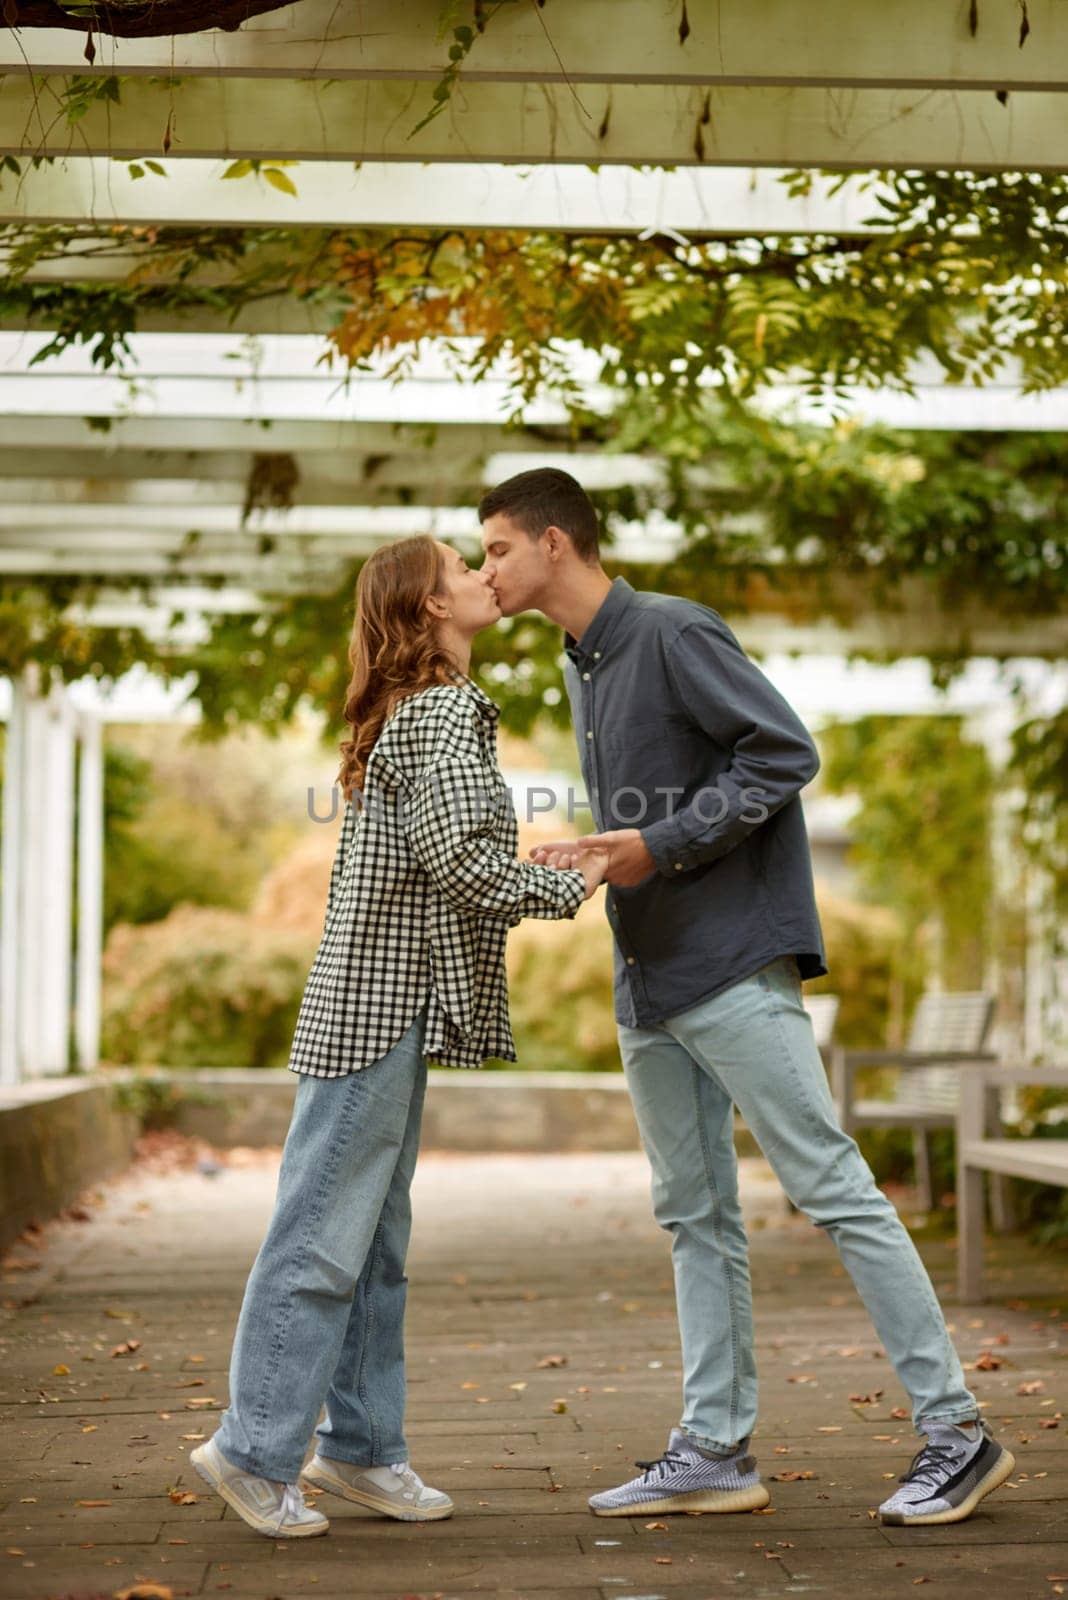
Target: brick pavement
[{"x": 514, "y": 1259}]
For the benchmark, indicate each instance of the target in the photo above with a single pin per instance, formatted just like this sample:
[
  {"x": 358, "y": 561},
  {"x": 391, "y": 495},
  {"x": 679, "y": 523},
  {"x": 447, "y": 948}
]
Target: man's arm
[{"x": 772, "y": 755}]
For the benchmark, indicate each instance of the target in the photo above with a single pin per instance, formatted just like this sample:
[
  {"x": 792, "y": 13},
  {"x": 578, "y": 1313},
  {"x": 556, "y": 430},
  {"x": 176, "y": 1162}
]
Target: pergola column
[
  {"x": 90, "y": 890},
  {"x": 38, "y": 880}
]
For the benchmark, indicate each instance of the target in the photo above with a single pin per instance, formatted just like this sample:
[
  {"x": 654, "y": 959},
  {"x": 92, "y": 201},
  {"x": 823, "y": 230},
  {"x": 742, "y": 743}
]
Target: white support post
[
  {"x": 90, "y": 891},
  {"x": 11, "y": 866},
  {"x": 44, "y": 922}
]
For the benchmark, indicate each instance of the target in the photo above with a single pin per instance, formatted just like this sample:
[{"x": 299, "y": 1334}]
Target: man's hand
[{"x": 629, "y": 862}]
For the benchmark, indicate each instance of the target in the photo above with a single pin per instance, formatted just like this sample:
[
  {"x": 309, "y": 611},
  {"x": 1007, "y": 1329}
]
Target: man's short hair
[{"x": 542, "y": 498}]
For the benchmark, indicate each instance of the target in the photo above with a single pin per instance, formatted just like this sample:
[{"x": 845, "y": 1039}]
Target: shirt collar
[
  {"x": 487, "y": 707},
  {"x": 615, "y": 605}
]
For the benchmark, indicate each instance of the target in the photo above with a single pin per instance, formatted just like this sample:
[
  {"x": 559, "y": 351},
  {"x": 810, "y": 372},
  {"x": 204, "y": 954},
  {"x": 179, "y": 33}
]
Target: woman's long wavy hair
[{"x": 393, "y": 651}]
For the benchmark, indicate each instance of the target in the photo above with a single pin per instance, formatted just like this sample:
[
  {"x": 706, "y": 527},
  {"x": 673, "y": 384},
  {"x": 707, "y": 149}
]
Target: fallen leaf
[
  {"x": 470, "y": 1386},
  {"x": 831, "y": 1429},
  {"x": 662, "y": 1561},
  {"x": 656, "y": 1527},
  {"x": 762, "y": 1511},
  {"x": 146, "y": 1591},
  {"x": 802, "y": 1377},
  {"x": 60, "y": 1371},
  {"x": 791, "y": 1476},
  {"x": 987, "y": 1362},
  {"x": 200, "y": 1401},
  {"x": 1048, "y": 1422},
  {"x": 518, "y": 1387},
  {"x": 89, "y": 1428},
  {"x": 194, "y": 1358},
  {"x": 866, "y": 1399},
  {"x": 900, "y": 1414},
  {"x": 559, "y": 1407},
  {"x": 13, "y": 1550},
  {"x": 92, "y": 1502},
  {"x": 1033, "y": 1386},
  {"x": 127, "y": 1348},
  {"x": 183, "y": 1497},
  {"x": 782, "y": 1449},
  {"x": 553, "y": 1361},
  {"x": 921, "y": 1580}
]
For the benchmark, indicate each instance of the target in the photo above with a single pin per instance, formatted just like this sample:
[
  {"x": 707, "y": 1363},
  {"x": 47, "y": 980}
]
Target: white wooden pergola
[{"x": 566, "y": 117}]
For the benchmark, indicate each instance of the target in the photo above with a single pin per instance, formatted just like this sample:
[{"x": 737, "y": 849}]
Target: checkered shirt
[{"x": 424, "y": 887}]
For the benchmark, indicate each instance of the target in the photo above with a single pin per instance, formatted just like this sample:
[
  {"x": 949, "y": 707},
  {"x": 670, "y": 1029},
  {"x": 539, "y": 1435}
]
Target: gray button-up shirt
[{"x": 681, "y": 735}]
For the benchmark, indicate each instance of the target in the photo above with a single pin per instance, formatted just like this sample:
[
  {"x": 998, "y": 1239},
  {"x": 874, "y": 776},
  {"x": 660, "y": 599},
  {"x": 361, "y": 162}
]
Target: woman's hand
[{"x": 593, "y": 864}]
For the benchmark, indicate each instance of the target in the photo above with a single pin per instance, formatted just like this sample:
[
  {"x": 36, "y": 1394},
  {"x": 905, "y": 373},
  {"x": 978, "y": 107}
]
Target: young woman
[{"x": 424, "y": 887}]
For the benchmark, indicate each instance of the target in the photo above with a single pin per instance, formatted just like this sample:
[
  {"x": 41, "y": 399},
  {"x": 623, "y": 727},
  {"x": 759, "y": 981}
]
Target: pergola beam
[
  {"x": 835, "y": 43},
  {"x": 659, "y": 124},
  {"x": 719, "y": 201}
]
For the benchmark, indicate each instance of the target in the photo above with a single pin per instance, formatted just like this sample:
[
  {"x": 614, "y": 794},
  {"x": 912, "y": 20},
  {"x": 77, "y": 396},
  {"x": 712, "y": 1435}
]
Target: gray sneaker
[
  {"x": 686, "y": 1479},
  {"x": 395, "y": 1491},
  {"x": 274, "y": 1509},
  {"x": 948, "y": 1477}
]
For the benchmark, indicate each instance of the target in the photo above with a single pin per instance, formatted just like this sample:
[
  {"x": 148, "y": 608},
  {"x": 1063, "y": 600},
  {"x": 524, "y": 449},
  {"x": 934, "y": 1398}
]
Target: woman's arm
[{"x": 449, "y": 817}]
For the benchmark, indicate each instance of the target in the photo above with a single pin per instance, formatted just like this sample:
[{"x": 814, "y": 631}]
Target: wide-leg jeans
[{"x": 323, "y": 1314}]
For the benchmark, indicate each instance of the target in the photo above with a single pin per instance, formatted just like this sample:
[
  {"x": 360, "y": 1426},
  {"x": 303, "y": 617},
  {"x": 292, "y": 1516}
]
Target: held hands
[{"x": 621, "y": 857}]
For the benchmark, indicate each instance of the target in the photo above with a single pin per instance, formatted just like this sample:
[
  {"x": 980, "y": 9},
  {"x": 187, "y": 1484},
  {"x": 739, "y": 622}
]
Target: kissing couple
[{"x": 693, "y": 765}]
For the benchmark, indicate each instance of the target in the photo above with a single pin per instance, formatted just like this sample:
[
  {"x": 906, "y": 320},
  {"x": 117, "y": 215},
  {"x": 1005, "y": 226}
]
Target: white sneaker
[
  {"x": 275, "y": 1509},
  {"x": 395, "y": 1491}
]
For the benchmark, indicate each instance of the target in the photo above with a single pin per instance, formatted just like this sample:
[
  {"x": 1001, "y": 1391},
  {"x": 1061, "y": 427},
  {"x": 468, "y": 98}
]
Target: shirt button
[
  {"x": 630, "y": 961},
  {"x": 589, "y": 733},
  {"x": 597, "y": 655},
  {"x": 585, "y": 677},
  {"x": 678, "y": 866}
]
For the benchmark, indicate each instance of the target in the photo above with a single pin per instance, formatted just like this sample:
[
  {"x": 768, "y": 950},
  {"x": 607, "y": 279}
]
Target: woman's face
[{"x": 467, "y": 594}]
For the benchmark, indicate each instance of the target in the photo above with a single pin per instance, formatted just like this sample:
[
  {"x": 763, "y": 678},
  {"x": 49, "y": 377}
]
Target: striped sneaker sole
[
  {"x": 754, "y": 1498},
  {"x": 1002, "y": 1468}
]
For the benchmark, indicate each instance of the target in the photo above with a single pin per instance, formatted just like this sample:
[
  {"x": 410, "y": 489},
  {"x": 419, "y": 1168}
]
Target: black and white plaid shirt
[{"x": 424, "y": 888}]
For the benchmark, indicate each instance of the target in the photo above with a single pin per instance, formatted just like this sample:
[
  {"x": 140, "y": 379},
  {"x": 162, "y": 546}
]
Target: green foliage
[
  {"x": 1040, "y": 765},
  {"x": 921, "y": 837},
  {"x": 970, "y": 268},
  {"x": 204, "y": 987}
]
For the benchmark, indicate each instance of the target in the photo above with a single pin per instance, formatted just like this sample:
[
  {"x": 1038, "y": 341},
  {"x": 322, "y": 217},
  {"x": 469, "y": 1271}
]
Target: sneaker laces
[
  {"x": 926, "y": 1465},
  {"x": 663, "y": 1466},
  {"x": 405, "y": 1470},
  {"x": 292, "y": 1503}
]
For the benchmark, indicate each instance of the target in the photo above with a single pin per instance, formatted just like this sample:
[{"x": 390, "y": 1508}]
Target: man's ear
[{"x": 554, "y": 541}]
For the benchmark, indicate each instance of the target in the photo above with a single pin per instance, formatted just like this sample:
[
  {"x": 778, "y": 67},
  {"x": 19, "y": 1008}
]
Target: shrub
[{"x": 204, "y": 988}]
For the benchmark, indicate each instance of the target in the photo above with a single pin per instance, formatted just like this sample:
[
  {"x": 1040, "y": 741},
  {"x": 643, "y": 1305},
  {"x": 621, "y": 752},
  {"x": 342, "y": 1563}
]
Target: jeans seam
[
  {"x": 706, "y": 1159},
  {"x": 368, "y": 1336}
]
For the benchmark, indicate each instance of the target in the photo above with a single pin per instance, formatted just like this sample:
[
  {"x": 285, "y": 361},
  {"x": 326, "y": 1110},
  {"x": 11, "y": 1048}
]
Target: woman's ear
[{"x": 438, "y": 607}]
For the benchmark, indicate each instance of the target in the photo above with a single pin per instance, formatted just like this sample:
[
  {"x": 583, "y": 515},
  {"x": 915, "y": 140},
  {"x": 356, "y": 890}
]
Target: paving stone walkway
[{"x": 517, "y": 1263}]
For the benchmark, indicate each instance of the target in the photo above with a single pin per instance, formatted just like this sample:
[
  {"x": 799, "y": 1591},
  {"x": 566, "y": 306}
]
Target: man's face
[{"x": 517, "y": 566}]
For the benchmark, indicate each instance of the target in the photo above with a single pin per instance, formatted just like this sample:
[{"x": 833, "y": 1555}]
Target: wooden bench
[
  {"x": 1042, "y": 1160},
  {"x": 948, "y": 1033}
]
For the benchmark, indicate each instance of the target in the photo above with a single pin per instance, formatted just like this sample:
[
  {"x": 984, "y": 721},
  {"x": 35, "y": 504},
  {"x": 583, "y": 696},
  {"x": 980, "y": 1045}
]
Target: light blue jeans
[
  {"x": 753, "y": 1047},
  {"x": 323, "y": 1313}
]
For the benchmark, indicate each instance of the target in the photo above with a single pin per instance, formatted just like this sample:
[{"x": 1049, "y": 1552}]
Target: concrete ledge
[
  {"x": 469, "y": 1111},
  {"x": 56, "y": 1137}
]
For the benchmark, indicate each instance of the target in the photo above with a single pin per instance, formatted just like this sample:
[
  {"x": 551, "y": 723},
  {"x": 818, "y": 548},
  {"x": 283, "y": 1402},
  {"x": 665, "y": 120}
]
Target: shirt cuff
[
  {"x": 665, "y": 843},
  {"x": 577, "y": 885}
]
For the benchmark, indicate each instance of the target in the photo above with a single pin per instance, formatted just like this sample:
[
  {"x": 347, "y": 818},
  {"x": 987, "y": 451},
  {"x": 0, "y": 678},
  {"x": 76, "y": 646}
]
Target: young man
[{"x": 693, "y": 765}]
